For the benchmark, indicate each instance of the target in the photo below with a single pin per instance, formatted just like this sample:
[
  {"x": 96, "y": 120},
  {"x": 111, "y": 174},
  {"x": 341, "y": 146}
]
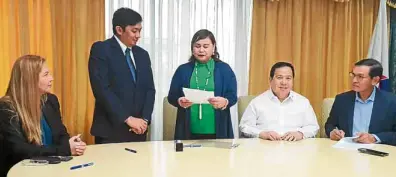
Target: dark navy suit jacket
[
  {"x": 117, "y": 96},
  {"x": 225, "y": 86},
  {"x": 383, "y": 117}
]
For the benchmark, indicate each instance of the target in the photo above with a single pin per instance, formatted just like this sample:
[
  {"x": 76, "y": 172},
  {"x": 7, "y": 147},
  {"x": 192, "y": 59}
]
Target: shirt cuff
[
  {"x": 125, "y": 121},
  {"x": 377, "y": 139},
  {"x": 255, "y": 133},
  {"x": 302, "y": 132},
  {"x": 250, "y": 132}
]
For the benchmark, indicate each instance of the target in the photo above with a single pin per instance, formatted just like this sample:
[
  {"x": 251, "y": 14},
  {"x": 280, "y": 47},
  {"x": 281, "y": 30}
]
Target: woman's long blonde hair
[{"x": 23, "y": 95}]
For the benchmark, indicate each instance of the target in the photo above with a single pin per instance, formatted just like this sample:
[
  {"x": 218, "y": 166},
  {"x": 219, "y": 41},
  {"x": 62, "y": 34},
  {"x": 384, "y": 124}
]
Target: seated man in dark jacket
[{"x": 366, "y": 111}]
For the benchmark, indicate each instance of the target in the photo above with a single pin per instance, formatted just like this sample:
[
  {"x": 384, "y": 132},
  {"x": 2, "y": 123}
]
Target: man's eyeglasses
[{"x": 359, "y": 77}]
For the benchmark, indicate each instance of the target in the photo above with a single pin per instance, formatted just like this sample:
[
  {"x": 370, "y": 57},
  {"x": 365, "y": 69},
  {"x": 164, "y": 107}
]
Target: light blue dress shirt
[{"x": 362, "y": 114}]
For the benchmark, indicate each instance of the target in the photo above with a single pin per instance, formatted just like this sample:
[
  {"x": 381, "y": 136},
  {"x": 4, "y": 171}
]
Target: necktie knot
[{"x": 127, "y": 51}]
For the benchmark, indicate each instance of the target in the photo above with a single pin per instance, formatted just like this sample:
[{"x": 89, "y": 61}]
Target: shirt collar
[
  {"x": 272, "y": 96},
  {"x": 122, "y": 45},
  {"x": 371, "y": 98}
]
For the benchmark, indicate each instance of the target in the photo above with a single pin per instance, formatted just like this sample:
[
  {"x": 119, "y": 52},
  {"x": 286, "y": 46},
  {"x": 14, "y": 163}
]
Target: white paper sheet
[
  {"x": 348, "y": 143},
  {"x": 198, "y": 96}
]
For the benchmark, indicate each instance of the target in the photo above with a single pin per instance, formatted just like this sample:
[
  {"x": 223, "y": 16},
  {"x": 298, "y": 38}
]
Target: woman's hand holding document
[
  {"x": 184, "y": 102},
  {"x": 198, "y": 96}
]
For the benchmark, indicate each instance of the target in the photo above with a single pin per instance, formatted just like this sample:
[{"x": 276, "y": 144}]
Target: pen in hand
[{"x": 339, "y": 133}]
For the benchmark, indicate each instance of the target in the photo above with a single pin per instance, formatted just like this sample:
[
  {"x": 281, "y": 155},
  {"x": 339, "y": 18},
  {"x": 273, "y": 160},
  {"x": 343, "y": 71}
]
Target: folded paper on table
[
  {"x": 198, "y": 96},
  {"x": 348, "y": 143},
  {"x": 217, "y": 144}
]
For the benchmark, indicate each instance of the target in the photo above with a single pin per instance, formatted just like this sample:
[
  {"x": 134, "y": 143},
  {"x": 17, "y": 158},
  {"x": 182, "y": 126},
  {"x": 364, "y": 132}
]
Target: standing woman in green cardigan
[{"x": 204, "y": 71}]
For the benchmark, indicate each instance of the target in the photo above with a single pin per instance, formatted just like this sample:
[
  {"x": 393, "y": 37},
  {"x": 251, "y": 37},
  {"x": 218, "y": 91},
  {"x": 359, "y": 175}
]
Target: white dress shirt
[
  {"x": 267, "y": 113},
  {"x": 124, "y": 47}
]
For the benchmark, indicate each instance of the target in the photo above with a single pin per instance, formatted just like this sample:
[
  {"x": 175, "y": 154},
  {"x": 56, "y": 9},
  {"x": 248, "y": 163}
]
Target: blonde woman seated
[{"x": 30, "y": 119}]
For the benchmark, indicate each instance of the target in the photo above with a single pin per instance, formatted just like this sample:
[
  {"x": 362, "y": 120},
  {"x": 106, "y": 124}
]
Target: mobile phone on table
[
  {"x": 373, "y": 152},
  {"x": 62, "y": 158},
  {"x": 49, "y": 159},
  {"x": 65, "y": 158}
]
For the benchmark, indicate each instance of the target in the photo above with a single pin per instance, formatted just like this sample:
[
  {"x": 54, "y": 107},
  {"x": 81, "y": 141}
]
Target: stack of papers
[{"x": 348, "y": 143}]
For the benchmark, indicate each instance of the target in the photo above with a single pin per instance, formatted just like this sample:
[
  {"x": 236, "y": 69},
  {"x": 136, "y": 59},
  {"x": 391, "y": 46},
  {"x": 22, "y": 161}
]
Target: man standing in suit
[
  {"x": 365, "y": 112},
  {"x": 122, "y": 83}
]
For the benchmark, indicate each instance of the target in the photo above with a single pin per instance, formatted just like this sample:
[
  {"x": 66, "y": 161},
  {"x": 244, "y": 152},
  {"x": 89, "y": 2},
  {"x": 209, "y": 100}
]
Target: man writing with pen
[{"x": 365, "y": 112}]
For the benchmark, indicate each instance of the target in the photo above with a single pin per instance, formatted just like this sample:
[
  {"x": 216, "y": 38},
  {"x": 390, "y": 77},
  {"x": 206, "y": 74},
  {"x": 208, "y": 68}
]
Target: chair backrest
[
  {"x": 243, "y": 102},
  {"x": 148, "y": 136},
  {"x": 169, "y": 120},
  {"x": 326, "y": 108}
]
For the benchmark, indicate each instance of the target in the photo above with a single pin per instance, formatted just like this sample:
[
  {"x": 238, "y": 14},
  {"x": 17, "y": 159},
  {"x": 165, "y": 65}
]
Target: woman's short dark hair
[
  {"x": 375, "y": 66},
  {"x": 124, "y": 17},
  {"x": 280, "y": 65},
  {"x": 203, "y": 34}
]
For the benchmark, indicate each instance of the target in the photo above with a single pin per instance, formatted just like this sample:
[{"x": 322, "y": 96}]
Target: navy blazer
[
  {"x": 16, "y": 147},
  {"x": 117, "y": 96},
  {"x": 383, "y": 117},
  {"x": 225, "y": 86}
]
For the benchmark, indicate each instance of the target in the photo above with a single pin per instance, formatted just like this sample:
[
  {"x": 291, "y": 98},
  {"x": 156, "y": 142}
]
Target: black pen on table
[{"x": 130, "y": 150}]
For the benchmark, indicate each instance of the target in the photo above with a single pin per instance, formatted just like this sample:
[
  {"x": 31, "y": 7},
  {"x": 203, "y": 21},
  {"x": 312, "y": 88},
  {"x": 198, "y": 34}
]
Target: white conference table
[{"x": 253, "y": 157}]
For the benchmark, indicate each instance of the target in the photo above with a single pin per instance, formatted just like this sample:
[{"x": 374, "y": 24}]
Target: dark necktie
[{"x": 130, "y": 63}]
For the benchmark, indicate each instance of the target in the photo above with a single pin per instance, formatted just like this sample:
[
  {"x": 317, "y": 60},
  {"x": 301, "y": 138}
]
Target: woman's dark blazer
[{"x": 15, "y": 146}]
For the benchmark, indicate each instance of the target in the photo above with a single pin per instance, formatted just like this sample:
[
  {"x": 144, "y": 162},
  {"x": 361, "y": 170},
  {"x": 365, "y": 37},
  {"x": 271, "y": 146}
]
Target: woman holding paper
[
  {"x": 30, "y": 119},
  {"x": 204, "y": 71}
]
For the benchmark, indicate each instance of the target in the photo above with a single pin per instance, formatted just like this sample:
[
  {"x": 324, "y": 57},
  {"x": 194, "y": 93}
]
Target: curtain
[
  {"x": 168, "y": 26},
  {"x": 330, "y": 0},
  {"x": 62, "y": 31},
  {"x": 392, "y": 48},
  {"x": 321, "y": 38},
  {"x": 18, "y": 36}
]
